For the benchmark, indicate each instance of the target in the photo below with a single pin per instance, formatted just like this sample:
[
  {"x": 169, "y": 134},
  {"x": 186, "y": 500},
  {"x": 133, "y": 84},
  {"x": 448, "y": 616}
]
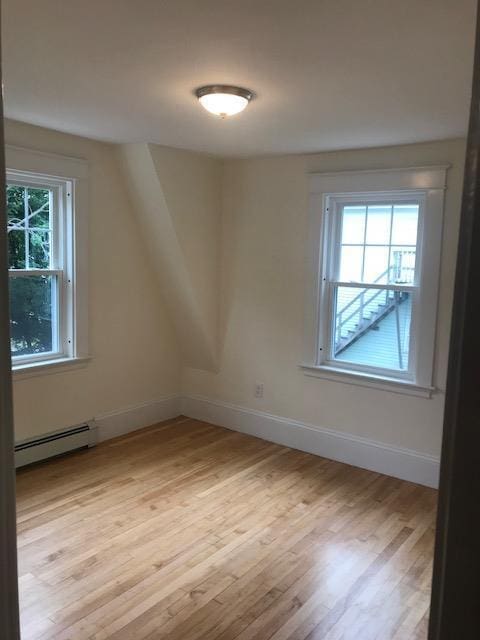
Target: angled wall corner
[{"x": 176, "y": 198}]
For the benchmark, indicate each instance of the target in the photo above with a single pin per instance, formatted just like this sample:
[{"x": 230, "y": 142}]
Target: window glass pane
[
  {"x": 351, "y": 259},
  {"x": 402, "y": 265},
  {"x": 38, "y": 207},
  {"x": 376, "y": 265},
  {"x": 353, "y": 225},
  {"x": 372, "y": 327},
  {"x": 39, "y": 249},
  {"x": 405, "y": 224},
  {"x": 15, "y": 205},
  {"x": 32, "y": 315},
  {"x": 16, "y": 249},
  {"x": 378, "y": 224}
]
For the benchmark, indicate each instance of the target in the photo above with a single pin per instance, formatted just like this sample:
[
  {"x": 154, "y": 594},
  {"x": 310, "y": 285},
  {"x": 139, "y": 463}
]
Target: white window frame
[
  {"x": 67, "y": 178},
  {"x": 328, "y": 194}
]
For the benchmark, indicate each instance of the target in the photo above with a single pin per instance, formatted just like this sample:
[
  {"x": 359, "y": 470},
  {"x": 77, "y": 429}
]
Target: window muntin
[
  {"x": 38, "y": 267},
  {"x": 371, "y": 279}
]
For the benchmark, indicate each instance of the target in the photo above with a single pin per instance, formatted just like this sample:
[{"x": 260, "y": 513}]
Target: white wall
[
  {"x": 132, "y": 343},
  {"x": 177, "y": 198},
  {"x": 252, "y": 259},
  {"x": 264, "y": 229},
  {"x": 191, "y": 184}
]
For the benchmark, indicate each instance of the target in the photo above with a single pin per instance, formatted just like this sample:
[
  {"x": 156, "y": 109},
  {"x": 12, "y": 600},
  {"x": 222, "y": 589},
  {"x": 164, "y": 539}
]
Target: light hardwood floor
[{"x": 186, "y": 531}]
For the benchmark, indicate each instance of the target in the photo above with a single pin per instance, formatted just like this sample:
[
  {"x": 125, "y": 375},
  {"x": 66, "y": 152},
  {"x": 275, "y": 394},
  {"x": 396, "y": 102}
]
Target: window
[
  {"x": 373, "y": 280},
  {"x": 45, "y": 290},
  {"x": 378, "y": 255},
  {"x": 37, "y": 271}
]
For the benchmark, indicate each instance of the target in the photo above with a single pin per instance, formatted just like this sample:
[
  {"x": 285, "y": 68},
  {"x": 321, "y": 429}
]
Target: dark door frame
[
  {"x": 9, "y": 618},
  {"x": 455, "y": 605}
]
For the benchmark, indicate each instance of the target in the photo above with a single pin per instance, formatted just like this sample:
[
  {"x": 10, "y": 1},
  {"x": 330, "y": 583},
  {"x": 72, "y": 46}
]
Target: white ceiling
[{"x": 329, "y": 74}]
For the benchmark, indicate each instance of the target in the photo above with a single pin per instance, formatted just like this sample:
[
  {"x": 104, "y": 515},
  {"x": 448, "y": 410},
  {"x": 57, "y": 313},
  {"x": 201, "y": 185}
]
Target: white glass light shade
[
  {"x": 223, "y": 100},
  {"x": 223, "y": 104}
]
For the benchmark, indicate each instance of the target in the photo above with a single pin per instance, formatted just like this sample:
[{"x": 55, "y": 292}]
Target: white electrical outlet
[{"x": 258, "y": 390}]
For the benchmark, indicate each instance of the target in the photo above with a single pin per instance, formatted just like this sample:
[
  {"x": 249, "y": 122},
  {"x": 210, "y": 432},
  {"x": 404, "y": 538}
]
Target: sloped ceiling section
[{"x": 176, "y": 199}]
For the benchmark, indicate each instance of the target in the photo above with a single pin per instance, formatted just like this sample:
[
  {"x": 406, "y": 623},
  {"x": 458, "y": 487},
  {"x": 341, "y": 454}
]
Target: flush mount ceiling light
[{"x": 223, "y": 100}]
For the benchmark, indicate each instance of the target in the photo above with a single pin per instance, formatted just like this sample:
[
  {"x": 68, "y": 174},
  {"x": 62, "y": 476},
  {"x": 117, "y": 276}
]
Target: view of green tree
[
  {"x": 28, "y": 222},
  {"x": 15, "y": 204},
  {"x": 30, "y": 314}
]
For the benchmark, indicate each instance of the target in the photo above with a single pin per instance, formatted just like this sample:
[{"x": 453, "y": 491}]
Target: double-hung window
[
  {"x": 378, "y": 266},
  {"x": 39, "y": 274},
  {"x": 45, "y": 318},
  {"x": 372, "y": 282}
]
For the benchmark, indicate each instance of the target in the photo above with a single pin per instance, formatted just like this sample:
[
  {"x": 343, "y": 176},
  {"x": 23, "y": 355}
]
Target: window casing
[
  {"x": 49, "y": 282},
  {"x": 376, "y": 257}
]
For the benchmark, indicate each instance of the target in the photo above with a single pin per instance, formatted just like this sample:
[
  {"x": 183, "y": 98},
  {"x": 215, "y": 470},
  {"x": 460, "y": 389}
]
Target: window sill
[
  {"x": 367, "y": 380},
  {"x": 61, "y": 365}
]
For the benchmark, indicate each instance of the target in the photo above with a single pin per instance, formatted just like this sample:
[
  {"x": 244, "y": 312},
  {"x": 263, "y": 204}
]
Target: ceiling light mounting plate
[{"x": 223, "y": 88}]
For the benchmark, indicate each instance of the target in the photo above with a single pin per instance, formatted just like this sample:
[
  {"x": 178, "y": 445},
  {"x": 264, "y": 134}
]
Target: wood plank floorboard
[{"x": 187, "y": 531}]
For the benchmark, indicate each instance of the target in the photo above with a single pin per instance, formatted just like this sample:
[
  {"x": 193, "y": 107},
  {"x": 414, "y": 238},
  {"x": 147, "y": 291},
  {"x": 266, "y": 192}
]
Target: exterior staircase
[
  {"x": 364, "y": 312},
  {"x": 368, "y": 317}
]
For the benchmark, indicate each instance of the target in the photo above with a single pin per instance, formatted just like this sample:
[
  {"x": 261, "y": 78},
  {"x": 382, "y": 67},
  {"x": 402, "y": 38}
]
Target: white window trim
[
  {"x": 48, "y": 367},
  {"x": 430, "y": 184},
  {"x": 27, "y": 164}
]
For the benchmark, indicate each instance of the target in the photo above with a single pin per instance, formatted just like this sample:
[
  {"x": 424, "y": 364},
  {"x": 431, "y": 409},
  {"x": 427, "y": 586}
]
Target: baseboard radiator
[{"x": 55, "y": 443}]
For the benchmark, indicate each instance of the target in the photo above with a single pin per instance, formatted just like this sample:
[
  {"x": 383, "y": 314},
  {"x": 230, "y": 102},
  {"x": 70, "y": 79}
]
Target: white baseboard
[
  {"x": 350, "y": 449},
  {"x": 359, "y": 452},
  {"x": 122, "y": 421}
]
